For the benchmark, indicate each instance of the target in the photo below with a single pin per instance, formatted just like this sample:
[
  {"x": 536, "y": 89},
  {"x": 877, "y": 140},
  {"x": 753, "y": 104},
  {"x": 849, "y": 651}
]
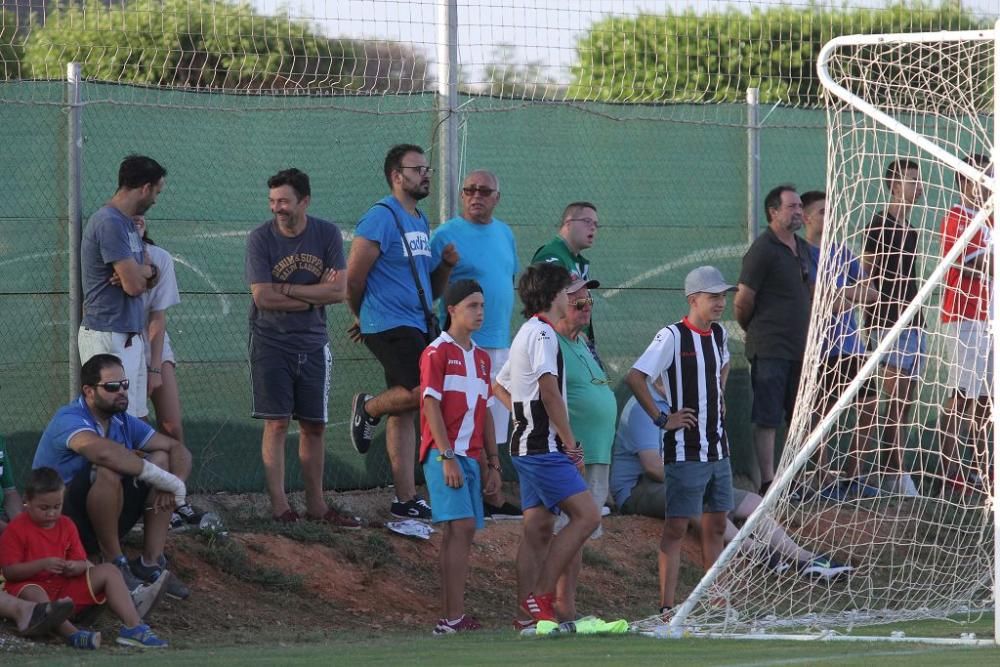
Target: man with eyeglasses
[
  {"x": 577, "y": 231},
  {"x": 117, "y": 469},
  {"x": 489, "y": 256},
  {"x": 116, "y": 271},
  {"x": 391, "y": 284},
  {"x": 772, "y": 305}
]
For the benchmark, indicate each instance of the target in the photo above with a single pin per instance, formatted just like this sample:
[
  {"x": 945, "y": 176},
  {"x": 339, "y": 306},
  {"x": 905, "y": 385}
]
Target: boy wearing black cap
[
  {"x": 691, "y": 360},
  {"x": 457, "y": 443}
]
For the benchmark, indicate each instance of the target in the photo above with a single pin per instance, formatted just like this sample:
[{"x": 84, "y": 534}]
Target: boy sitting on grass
[
  {"x": 42, "y": 559},
  {"x": 691, "y": 359},
  {"x": 457, "y": 443}
]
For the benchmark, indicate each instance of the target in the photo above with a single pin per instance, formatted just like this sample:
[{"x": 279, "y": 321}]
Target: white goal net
[{"x": 887, "y": 474}]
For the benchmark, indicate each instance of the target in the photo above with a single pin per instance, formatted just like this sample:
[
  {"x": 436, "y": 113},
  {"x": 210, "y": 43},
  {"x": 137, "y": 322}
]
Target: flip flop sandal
[{"x": 47, "y": 616}]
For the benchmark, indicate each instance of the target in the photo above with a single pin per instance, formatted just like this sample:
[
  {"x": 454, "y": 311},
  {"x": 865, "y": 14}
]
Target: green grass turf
[{"x": 503, "y": 648}]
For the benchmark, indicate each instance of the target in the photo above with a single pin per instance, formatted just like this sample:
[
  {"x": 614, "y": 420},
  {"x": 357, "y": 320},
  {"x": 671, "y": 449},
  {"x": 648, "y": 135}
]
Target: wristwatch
[
  {"x": 661, "y": 421},
  {"x": 447, "y": 455}
]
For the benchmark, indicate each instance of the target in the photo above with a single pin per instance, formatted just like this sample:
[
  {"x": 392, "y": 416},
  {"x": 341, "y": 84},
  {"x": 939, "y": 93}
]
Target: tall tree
[
  {"x": 716, "y": 56},
  {"x": 214, "y": 44}
]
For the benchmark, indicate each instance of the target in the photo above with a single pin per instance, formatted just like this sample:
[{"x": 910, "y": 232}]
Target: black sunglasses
[
  {"x": 471, "y": 190},
  {"x": 113, "y": 387}
]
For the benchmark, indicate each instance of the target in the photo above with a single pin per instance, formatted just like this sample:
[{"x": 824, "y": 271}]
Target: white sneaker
[
  {"x": 146, "y": 597},
  {"x": 906, "y": 487}
]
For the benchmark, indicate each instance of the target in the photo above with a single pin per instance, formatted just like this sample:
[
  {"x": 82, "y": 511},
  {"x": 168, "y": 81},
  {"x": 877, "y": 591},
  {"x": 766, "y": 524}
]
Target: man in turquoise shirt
[{"x": 487, "y": 254}]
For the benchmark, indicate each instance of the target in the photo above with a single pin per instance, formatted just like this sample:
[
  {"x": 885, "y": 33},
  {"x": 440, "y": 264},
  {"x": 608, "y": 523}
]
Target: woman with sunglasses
[{"x": 593, "y": 413}]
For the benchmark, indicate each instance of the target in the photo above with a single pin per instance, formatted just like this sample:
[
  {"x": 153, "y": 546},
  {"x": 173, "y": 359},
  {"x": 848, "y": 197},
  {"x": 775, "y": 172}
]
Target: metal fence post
[
  {"x": 753, "y": 163},
  {"x": 74, "y": 160},
  {"x": 447, "y": 125}
]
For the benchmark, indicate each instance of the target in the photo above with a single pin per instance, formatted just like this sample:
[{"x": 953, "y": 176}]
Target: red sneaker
[{"x": 540, "y": 607}]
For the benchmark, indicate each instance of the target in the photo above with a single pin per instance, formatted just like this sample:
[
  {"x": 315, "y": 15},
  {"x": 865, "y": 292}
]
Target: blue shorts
[
  {"x": 448, "y": 504},
  {"x": 907, "y": 352},
  {"x": 775, "y": 383},
  {"x": 693, "y": 486},
  {"x": 547, "y": 479},
  {"x": 289, "y": 384}
]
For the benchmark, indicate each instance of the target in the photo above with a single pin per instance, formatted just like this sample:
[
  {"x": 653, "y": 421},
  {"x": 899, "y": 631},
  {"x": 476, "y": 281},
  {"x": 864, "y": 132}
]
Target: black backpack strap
[{"x": 428, "y": 315}]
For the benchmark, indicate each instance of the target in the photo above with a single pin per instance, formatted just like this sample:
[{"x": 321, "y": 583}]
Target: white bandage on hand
[{"x": 161, "y": 480}]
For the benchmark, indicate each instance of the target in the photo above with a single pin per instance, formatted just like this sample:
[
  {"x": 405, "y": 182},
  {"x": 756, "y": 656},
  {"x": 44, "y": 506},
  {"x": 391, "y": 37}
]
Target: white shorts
[
  {"x": 971, "y": 368},
  {"x": 168, "y": 352},
  {"x": 133, "y": 358},
  {"x": 501, "y": 415},
  {"x": 596, "y": 475}
]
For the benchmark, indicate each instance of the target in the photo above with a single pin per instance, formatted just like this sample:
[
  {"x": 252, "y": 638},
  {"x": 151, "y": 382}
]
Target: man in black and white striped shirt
[{"x": 691, "y": 360}]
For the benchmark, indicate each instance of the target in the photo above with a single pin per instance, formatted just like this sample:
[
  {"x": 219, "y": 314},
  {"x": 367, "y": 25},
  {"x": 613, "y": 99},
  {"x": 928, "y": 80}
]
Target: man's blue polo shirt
[{"x": 53, "y": 448}]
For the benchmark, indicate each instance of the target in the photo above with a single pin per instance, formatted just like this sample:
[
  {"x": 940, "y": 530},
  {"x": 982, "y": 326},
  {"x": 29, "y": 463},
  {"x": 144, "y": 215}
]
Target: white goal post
[{"x": 928, "y": 548}]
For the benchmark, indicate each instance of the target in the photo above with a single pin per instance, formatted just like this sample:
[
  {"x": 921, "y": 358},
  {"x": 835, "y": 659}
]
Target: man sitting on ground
[
  {"x": 116, "y": 469},
  {"x": 638, "y": 487}
]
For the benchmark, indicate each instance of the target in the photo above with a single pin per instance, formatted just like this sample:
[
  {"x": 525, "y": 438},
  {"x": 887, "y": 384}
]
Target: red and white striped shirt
[{"x": 460, "y": 380}]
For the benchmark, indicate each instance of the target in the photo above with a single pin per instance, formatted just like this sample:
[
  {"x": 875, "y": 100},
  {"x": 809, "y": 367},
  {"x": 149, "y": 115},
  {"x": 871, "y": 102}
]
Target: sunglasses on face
[
  {"x": 113, "y": 387},
  {"x": 471, "y": 190},
  {"x": 580, "y": 304}
]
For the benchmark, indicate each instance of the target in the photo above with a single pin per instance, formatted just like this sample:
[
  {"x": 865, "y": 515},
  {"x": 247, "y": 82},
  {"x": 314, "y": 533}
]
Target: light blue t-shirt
[
  {"x": 110, "y": 236},
  {"x": 488, "y": 255},
  {"x": 391, "y": 298},
  {"x": 636, "y": 432},
  {"x": 841, "y": 337},
  {"x": 53, "y": 448}
]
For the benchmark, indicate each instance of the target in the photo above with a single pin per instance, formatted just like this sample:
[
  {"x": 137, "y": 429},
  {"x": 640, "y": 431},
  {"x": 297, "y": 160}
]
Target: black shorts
[
  {"x": 134, "y": 497},
  {"x": 398, "y": 350},
  {"x": 287, "y": 384},
  {"x": 837, "y": 372},
  {"x": 775, "y": 383}
]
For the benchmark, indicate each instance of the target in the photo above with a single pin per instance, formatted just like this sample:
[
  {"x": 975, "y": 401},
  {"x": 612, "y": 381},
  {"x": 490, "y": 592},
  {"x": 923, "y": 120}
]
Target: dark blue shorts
[
  {"x": 547, "y": 479},
  {"x": 287, "y": 384},
  {"x": 775, "y": 383}
]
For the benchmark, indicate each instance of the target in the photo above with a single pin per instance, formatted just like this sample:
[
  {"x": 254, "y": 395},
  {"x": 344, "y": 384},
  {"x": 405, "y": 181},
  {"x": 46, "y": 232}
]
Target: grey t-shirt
[
  {"x": 273, "y": 258},
  {"x": 110, "y": 236},
  {"x": 780, "y": 319}
]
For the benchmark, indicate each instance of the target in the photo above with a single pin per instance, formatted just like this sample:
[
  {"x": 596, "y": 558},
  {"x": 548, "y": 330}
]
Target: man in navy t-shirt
[
  {"x": 295, "y": 267},
  {"x": 389, "y": 285}
]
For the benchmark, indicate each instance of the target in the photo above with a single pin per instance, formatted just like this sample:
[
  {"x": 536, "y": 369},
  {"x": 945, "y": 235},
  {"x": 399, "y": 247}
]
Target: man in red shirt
[{"x": 965, "y": 316}]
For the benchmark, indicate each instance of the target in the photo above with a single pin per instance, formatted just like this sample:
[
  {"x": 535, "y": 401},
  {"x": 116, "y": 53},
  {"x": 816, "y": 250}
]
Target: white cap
[{"x": 706, "y": 279}]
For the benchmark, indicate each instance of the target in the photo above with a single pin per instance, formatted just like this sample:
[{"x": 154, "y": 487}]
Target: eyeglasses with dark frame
[
  {"x": 113, "y": 387},
  {"x": 472, "y": 190},
  {"x": 421, "y": 169}
]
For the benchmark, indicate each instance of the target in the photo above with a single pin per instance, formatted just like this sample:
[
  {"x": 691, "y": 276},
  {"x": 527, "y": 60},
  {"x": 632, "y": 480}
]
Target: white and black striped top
[
  {"x": 689, "y": 362},
  {"x": 534, "y": 352}
]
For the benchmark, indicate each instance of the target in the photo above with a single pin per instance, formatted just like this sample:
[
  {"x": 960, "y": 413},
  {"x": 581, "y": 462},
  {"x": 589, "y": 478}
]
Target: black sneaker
[
  {"x": 362, "y": 424},
  {"x": 411, "y": 509},
  {"x": 132, "y": 582},
  {"x": 150, "y": 573},
  {"x": 506, "y": 512}
]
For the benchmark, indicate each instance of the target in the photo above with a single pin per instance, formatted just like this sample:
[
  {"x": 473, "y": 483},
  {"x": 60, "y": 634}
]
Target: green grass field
[{"x": 503, "y": 648}]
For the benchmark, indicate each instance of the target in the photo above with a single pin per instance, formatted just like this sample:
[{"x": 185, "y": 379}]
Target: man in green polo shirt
[
  {"x": 577, "y": 232},
  {"x": 8, "y": 492}
]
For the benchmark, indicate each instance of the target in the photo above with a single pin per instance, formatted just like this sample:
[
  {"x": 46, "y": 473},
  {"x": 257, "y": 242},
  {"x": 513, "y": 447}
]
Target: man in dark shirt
[
  {"x": 295, "y": 267},
  {"x": 772, "y": 305},
  {"x": 889, "y": 257}
]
